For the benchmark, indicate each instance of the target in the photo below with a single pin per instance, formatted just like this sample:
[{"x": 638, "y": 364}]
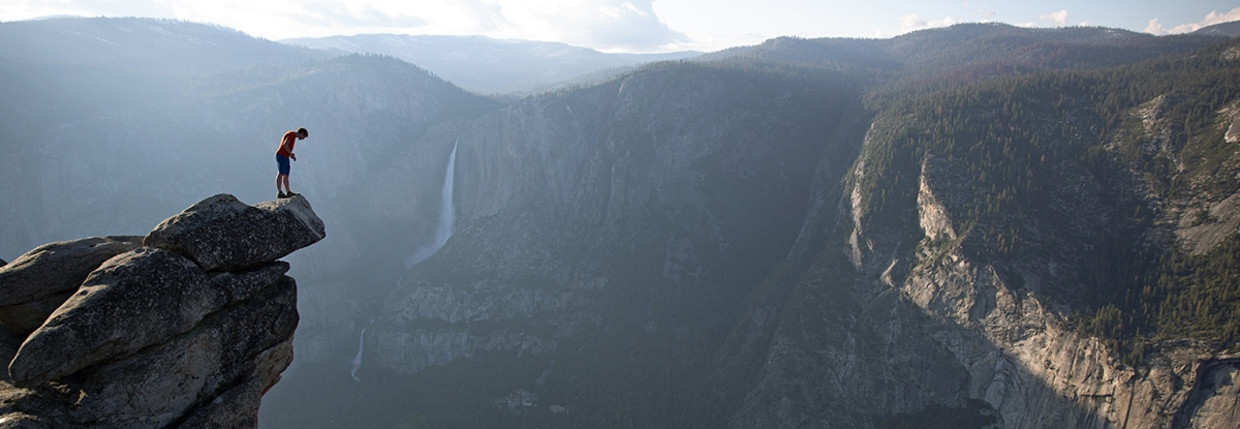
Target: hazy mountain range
[
  {"x": 975, "y": 226},
  {"x": 493, "y": 66}
]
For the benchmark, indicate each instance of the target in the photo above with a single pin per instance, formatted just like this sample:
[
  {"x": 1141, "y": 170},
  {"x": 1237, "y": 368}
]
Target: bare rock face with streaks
[{"x": 187, "y": 327}]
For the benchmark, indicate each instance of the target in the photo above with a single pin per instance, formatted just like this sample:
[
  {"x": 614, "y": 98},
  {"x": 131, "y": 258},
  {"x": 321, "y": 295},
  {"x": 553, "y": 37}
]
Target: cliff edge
[{"x": 186, "y": 327}]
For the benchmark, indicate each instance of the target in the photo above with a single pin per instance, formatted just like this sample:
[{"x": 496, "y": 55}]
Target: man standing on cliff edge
[{"x": 283, "y": 154}]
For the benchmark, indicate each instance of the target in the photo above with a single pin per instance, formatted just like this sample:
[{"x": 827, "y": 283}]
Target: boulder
[
  {"x": 222, "y": 233},
  {"x": 37, "y": 282},
  {"x": 187, "y": 332},
  {"x": 162, "y": 293},
  {"x": 58, "y": 267},
  {"x": 215, "y": 372}
]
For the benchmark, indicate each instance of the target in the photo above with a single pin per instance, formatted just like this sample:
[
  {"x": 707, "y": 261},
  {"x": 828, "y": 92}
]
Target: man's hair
[{"x": 303, "y": 132}]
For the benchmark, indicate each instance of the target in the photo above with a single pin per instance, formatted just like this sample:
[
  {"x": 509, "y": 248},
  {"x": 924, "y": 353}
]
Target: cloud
[
  {"x": 354, "y": 15},
  {"x": 913, "y": 22},
  {"x": 625, "y": 25},
  {"x": 1155, "y": 27},
  {"x": 1059, "y": 18},
  {"x": 1214, "y": 17},
  {"x": 28, "y": 9}
]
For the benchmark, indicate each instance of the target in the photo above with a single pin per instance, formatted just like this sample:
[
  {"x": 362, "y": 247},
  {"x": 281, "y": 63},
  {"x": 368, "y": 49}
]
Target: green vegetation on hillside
[{"x": 1084, "y": 166}]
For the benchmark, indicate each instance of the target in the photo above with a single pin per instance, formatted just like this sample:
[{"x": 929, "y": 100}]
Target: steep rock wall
[{"x": 1023, "y": 361}]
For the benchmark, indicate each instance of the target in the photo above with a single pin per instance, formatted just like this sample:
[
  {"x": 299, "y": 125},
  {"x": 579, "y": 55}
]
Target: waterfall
[
  {"x": 361, "y": 340},
  {"x": 357, "y": 360},
  {"x": 447, "y": 216},
  {"x": 443, "y": 231}
]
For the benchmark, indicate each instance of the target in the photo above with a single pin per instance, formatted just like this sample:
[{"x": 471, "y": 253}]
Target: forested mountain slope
[{"x": 1026, "y": 211}]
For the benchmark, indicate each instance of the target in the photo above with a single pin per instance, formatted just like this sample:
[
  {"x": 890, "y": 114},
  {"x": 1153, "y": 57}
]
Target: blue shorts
[{"x": 282, "y": 164}]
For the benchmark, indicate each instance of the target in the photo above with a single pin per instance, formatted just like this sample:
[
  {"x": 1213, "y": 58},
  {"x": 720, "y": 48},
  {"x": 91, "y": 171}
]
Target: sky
[{"x": 641, "y": 25}]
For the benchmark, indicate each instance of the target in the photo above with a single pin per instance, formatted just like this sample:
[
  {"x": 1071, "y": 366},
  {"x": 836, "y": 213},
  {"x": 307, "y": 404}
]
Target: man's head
[{"x": 302, "y": 133}]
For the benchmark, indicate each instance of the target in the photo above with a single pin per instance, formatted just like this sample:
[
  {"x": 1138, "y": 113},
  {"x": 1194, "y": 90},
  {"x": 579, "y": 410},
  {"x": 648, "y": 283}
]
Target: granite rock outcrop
[{"x": 186, "y": 327}]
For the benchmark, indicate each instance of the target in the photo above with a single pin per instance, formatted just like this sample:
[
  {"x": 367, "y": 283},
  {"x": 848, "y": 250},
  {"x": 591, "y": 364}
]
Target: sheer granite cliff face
[
  {"x": 1036, "y": 372},
  {"x": 908, "y": 316},
  {"x": 186, "y": 327},
  {"x": 1018, "y": 353}
]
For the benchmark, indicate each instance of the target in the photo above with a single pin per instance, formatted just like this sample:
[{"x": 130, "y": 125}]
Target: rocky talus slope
[{"x": 185, "y": 327}]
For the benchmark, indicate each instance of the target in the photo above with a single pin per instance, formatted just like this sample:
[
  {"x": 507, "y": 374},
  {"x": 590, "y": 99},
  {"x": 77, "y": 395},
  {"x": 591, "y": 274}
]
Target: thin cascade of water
[
  {"x": 447, "y": 216},
  {"x": 443, "y": 231},
  {"x": 357, "y": 360}
]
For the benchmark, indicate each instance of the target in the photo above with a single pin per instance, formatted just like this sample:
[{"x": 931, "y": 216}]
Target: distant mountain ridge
[
  {"x": 491, "y": 66},
  {"x": 140, "y": 43}
]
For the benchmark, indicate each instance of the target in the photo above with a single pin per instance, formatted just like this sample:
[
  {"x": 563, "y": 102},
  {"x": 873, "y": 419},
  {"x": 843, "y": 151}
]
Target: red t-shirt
[{"x": 286, "y": 143}]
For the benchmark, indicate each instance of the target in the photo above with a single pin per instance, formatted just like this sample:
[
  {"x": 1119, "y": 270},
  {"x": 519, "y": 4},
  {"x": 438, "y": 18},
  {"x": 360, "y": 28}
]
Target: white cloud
[
  {"x": 913, "y": 22},
  {"x": 29, "y": 9},
  {"x": 1212, "y": 18},
  {"x": 282, "y": 18},
  {"x": 602, "y": 24},
  {"x": 1155, "y": 28},
  {"x": 626, "y": 25},
  {"x": 1059, "y": 18}
]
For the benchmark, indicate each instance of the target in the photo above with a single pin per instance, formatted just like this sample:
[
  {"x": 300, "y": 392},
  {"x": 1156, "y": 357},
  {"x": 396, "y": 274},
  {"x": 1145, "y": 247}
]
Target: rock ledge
[{"x": 185, "y": 327}]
